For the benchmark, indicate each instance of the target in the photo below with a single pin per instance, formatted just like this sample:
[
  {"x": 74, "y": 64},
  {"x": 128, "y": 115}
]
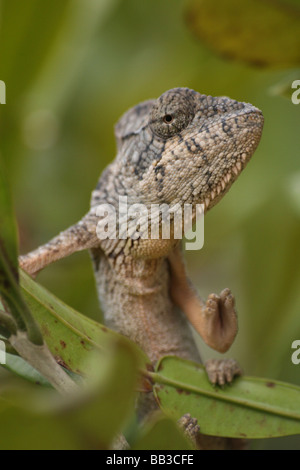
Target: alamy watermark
[
  {"x": 2, "y": 352},
  {"x": 296, "y": 94},
  {"x": 159, "y": 221},
  {"x": 2, "y": 92},
  {"x": 296, "y": 354}
]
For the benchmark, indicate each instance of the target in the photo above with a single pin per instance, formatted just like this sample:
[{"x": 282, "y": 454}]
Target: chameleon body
[{"x": 184, "y": 147}]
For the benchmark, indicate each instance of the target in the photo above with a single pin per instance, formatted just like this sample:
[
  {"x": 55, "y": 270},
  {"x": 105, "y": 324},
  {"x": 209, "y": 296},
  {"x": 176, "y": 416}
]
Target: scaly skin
[{"x": 184, "y": 147}]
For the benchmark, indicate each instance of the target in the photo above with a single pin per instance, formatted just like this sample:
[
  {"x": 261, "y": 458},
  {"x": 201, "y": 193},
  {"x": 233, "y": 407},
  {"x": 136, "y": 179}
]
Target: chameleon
[{"x": 184, "y": 147}]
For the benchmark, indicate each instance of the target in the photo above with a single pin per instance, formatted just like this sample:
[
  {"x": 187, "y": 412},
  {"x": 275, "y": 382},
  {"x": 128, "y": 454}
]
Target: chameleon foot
[
  {"x": 222, "y": 371},
  {"x": 220, "y": 320},
  {"x": 190, "y": 427}
]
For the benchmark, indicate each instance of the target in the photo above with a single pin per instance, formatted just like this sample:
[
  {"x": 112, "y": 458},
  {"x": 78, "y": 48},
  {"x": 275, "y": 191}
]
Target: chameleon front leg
[
  {"x": 216, "y": 322},
  {"x": 81, "y": 236},
  {"x": 216, "y": 319}
]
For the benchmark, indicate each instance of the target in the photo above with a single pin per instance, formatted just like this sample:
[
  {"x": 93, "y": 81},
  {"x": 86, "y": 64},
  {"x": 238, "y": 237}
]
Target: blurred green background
[{"x": 71, "y": 68}]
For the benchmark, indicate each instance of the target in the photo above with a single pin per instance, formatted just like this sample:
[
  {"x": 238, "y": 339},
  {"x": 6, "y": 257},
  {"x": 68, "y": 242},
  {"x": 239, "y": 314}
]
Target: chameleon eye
[
  {"x": 171, "y": 113},
  {"x": 168, "y": 118},
  {"x": 167, "y": 125}
]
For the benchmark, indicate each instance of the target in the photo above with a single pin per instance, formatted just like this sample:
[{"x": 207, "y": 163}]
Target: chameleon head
[
  {"x": 210, "y": 139},
  {"x": 189, "y": 147}
]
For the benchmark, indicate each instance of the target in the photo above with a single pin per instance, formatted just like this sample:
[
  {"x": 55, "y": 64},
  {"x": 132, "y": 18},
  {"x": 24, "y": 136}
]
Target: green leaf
[
  {"x": 37, "y": 418},
  {"x": 249, "y": 408},
  {"x": 20, "y": 367},
  {"x": 69, "y": 335},
  {"x": 256, "y": 32},
  {"x": 112, "y": 402},
  {"x": 24, "y": 430}
]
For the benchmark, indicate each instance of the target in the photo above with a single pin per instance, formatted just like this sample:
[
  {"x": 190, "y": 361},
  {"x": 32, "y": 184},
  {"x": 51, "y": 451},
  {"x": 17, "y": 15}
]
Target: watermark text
[
  {"x": 296, "y": 94},
  {"x": 2, "y": 92},
  {"x": 296, "y": 354},
  {"x": 159, "y": 221},
  {"x": 2, "y": 352}
]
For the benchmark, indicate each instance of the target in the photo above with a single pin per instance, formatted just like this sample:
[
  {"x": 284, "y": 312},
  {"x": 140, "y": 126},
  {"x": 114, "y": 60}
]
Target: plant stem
[
  {"x": 42, "y": 360},
  {"x": 7, "y": 322}
]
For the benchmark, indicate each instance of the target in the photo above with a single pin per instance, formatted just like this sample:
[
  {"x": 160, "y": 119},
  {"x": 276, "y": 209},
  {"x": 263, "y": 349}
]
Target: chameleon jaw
[
  {"x": 232, "y": 174},
  {"x": 225, "y": 183}
]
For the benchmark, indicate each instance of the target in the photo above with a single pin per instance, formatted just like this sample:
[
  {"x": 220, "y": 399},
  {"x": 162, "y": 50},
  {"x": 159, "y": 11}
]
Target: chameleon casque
[{"x": 184, "y": 147}]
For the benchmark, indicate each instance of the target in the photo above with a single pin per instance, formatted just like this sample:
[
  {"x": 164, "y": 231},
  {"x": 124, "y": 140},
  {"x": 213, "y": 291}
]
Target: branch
[
  {"x": 8, "y": 323},
  {"x": 42, "y": 360}
]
